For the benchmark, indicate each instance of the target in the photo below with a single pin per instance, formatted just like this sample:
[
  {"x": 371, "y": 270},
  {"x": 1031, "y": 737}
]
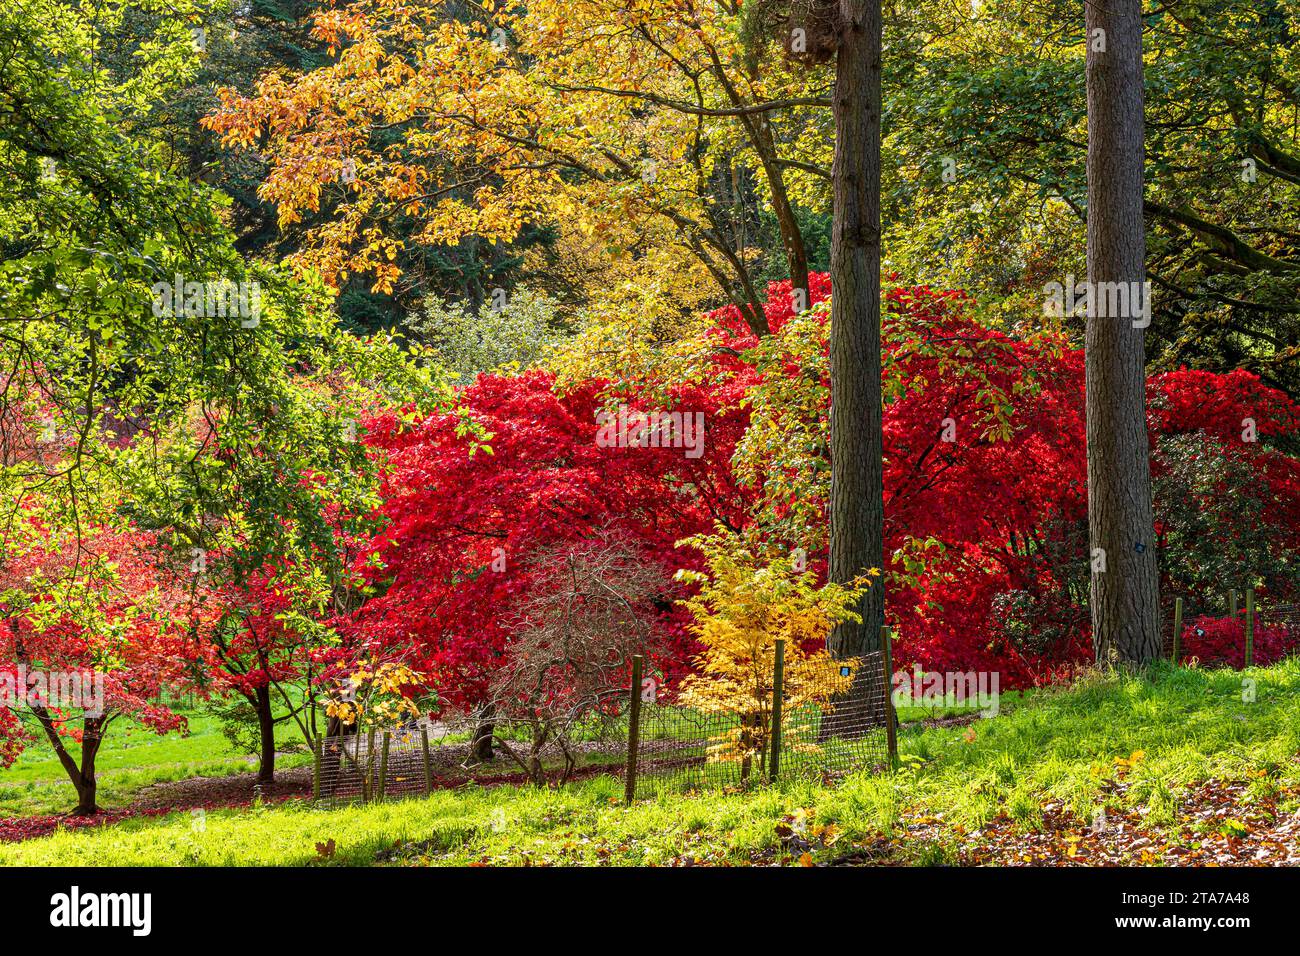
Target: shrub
[{"x": 1221, "y": 642}]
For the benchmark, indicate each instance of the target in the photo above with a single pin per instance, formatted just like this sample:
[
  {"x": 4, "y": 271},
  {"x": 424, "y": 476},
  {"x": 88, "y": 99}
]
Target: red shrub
[{"x": 1221, "y": 642}]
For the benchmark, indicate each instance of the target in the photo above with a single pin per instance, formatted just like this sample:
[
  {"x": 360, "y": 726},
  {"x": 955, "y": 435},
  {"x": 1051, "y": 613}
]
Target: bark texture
[
  {"x": 856, "y": 505},
  {"x": 266, "y": 736},
  {"x": 1125, "y": 595}
]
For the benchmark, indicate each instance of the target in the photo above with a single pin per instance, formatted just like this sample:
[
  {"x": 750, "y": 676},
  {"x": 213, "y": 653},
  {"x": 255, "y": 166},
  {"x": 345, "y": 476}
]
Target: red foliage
[
  {"x": 1008, "y": 591},
  {"x": 14, "y": 829},
  {"x": 452, "y": 566},
  {"x": 993, "y": 507},
  {"x": 1221, "y": 642},
  {"x": 257, "y": 645},
  {"x": 144, "y": 642},
  {"x": 13, "y": 737},
  {"x": 1003, "y": 586},
  {"x": 1216, "y": 409}
]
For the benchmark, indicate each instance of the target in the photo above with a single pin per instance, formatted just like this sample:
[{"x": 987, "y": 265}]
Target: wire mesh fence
[
  {"x": 386, "y": 763},
  {"x": 373, "y": 765},
  {"x": 1175, "y": 613},
  {"x": 1284, "y": 617},
  {"x": 673, "y": 752},
  {"x": 831, "y": 721},
  {"x": 820, "y": 723},
  {"x": 437, "y": 753},
  {"x": 1278, "y": 626},
  {"x": 1268, "y": 630},
  {"x": 824, "y": 723},
  {"x": 838, "y": 733}
]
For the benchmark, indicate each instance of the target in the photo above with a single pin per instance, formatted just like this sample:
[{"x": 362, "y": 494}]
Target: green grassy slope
[
  {"x": 1132, "y": 745},
  {"x": 130, "y": 759}
]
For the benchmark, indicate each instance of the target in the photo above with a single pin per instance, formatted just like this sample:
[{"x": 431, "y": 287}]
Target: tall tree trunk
[
  {"x": 1125, "y": 578},
  {"x": 266, "y": 727},
  {"x": 857, "y": 497}
]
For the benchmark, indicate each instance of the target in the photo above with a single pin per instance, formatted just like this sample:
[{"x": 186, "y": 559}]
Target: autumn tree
[
  {"x": 585, "y": 117},
  {"x": 591, "y": 608},
  {"x": 369, "y": 696},
  {"x": 91, "y": 636},
  {"x": 742, "y": 608},
  {"x": 856, "y": 439}
]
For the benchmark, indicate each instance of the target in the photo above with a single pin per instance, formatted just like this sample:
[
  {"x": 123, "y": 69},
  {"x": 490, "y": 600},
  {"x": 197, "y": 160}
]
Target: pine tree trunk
[
  {"x": 856, "y": 505},
  {"x": 1125, "y": 577}
]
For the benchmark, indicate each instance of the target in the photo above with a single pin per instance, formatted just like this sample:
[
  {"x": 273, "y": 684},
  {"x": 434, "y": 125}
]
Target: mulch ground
[{"x": 193, "y": 793}]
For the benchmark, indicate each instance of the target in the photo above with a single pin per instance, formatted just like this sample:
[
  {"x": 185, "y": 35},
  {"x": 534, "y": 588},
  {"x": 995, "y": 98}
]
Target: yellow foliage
[
  {"x": 374, "y": 696},
  {"x": 597, "y": 117},
  {"x": 744, "y": 606}
]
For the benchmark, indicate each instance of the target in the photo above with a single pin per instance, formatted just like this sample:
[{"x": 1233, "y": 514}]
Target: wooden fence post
[
  {"x": 428, "y": 767},
  {"x": 887, "y": 673},
  {"x": 1178, "y": 629},
  {"x": 633, "y": 729},
  {"x": 383, "y": 769},
  {"x": 1250, "y": 627},
  {"x": 778, "y": 700},
  {"x": 315, "y": 769}
]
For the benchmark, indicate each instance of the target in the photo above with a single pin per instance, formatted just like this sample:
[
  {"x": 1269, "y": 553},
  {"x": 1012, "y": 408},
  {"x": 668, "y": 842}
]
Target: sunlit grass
[
  {"x": 1169, "y": 730},
  {"x": 132, "y": 758}
]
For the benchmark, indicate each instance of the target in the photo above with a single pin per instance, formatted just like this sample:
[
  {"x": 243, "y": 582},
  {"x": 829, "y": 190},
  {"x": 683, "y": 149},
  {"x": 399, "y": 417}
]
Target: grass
[
  {"x": 132, "y": 758},
  {"x": 1158, "y": 733}
]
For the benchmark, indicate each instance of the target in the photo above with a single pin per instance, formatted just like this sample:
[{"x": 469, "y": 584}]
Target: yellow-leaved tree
[
  {"x": 745, "y": 604},
  {"x": 656, "y": 129},
  {"x": 376, "y": 697}
]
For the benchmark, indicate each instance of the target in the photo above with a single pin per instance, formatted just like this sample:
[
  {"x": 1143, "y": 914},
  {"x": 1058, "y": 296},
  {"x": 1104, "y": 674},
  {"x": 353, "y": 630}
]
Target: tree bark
[
  {"x": 266, "y": 727},
  {"x": 1125, "y": 577},
  {"x": 857, "y": 497},
  {"x": 792, "y": 243},
  {"x": 480, "y": 748},
  {"x": 758, "y": 128},
  {"x": 82, "y": 775},
  {"x": 86, "y": 783}
]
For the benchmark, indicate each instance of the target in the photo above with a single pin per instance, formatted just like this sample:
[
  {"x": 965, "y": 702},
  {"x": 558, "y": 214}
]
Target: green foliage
[
  {"x": 1216, "y": 539},
  {"x": 996, "y": 102},
  {"x": 516, "y": 331},
  {"x": 95, "y": 222}
]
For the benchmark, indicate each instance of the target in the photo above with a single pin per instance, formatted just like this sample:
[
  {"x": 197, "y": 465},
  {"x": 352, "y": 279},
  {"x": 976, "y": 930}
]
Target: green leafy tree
[
  {"x": 208, "y": 400},
  {"x": 515, "y": 330}
]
